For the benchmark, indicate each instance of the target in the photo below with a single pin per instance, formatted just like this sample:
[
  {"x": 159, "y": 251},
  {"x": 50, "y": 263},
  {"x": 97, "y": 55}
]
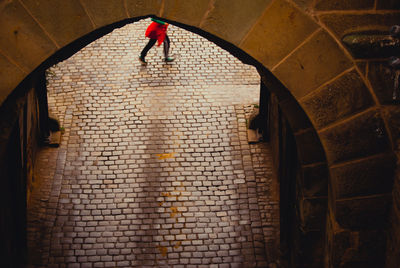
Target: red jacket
[{"x": 157, "y": 31}]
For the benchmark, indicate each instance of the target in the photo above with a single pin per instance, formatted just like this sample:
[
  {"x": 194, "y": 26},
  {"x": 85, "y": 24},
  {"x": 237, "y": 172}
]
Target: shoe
[
  {"x": 142, "y": 60},
  {"x": 169, "y": 59}
]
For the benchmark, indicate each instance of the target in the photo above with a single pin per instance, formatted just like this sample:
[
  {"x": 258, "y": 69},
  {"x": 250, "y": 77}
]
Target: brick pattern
[{"x": 154, "y": 168}]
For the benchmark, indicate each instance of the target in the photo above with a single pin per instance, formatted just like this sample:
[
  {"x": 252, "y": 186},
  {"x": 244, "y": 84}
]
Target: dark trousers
[{"x": 151, "y": 43}]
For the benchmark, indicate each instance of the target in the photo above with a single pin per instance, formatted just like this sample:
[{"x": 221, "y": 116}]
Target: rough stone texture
[
  {"x": 302, "y": 74},
  {"x": 143, "y": 7},
  {"x": 20, "y": 33},
  {"x": 10, "y": 76},
  {"x": 315, "y": 180},
  {"x": 344, "y": 4},
  {"x": 239, "y": 25},
  {"x": 295, "y": 114},
  {"x": 356, "y": 249},
  {"x": 312, "y": 212},
  {"x": 105, "y": 12},
  {"x": 388, "y": 4},
  {"x": 188, "y": 12},
  {"x": 355, "y": 214},
  {"x": 369, "y": 176},
  {"x": 362, "y": 136},
  {"x": 382, "y": 78},
  {"x": 341, "y": 23},
  {"x": 279, "y": 31},
  {"x": 154, "y": 168},
  {"x": 343, "y": 97},
  {"x": 392, "y": 114},
  {"x": 56, "y": 15},
  {"x": 309, "y": 148},
  {"x": 371, "y": 45},
  {"x": 304, "y": 4}
]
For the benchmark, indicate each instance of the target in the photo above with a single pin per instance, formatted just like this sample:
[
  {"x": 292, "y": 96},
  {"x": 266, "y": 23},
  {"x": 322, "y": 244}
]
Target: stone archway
[{"x": 297, "y": 47}]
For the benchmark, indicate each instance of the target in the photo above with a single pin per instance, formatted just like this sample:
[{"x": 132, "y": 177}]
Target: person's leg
[
  {"x": 166, "y": 49},
  {"x": 146, "y": 49},
  {"x": 166, "y": 46}
]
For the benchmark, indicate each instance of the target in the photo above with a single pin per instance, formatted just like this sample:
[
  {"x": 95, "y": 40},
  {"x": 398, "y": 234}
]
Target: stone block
[
  {"x": 344, "y": 5},
  {"x": 356, "y": 249},
  {"x": 363, "y": 213},
  {"x": 302, "y": 74},
  {"x": 392, "y": 115},
  {"x": 341, "y": 24},
  {"x": 393, "y": 256},
  {"x": 312, "y": 248},
  {"x": 279, "y": 31},
  {"x": 362, "y": 66},
  {"x": 388, "y": 4},
  {"x": 309, "y": 148},
  {"x": 304, "y": 4},
  {"x": 382, "y": 80},
  {"x": 10, "y": 76},
  {"x": 362, "y": 136},
  {"x": 365, "y": 177},
  {"x": 343, "y": 97},
  {"x": 295, "y": 114},
  {"x": 314, "y": 180},
  {"x": 104, "y": 12},
  {"x": 312, "y": 213},
  {"x": 245, "y": 16},
  {"x": 139, "y": 8},
  {"x": 65, "y": 21},
  {"x": 19, "y": 33},
  {"x": 187, "y": 12}
]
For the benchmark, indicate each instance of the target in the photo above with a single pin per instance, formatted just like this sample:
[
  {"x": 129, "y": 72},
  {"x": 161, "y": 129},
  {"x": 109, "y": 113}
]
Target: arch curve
[{"x": 330, "y": 100}]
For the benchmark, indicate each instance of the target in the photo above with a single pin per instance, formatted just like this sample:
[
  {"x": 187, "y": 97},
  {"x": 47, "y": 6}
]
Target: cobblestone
[{"x": 154, "y": 168}]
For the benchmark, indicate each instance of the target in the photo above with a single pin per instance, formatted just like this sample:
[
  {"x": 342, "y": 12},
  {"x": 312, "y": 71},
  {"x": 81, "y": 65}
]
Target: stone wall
[
  {"x": 353, "y": 123},
  {"x": 19, "y": 142}
]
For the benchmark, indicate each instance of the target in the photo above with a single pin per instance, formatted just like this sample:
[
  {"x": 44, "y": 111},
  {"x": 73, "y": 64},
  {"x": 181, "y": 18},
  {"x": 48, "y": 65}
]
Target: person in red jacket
[{"x": 157, "y": 31}]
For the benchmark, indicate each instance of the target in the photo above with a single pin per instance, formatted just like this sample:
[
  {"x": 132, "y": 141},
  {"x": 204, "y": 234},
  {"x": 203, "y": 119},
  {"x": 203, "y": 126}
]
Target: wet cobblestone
[{"x": 154, "y": 168}]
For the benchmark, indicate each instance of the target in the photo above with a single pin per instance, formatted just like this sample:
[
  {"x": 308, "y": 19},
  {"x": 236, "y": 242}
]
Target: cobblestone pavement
[{"x": 154, "y": 168}]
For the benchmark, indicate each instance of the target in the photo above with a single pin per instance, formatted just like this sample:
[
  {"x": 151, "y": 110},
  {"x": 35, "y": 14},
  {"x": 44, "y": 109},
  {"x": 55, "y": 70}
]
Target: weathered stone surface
[
  {"x": 388, "y": 4},
  {"x": 362, "y": 66},
  {"x": 365, "y": 177},
  {"x": 295, "y": 114},
  {"x": 305, "y": 4},
  {"x": 19, "y": 33},
  {"x": 356, "y": 249},
  {"x": 312, "y": 252},
  {"x": 138, "y": 8},
  {"x": 363, "y": 213},
  {"x": 239, "y": 25},
  {"x": 393, "y": 258},
  {"x": 65, "y": 21},
  {"x": 341, "y": 24},
  {"x": 105, "y": 12},
  {"x": 10, "y": 76},
  {"x": 343, "y": 97},
  {"x": 371, "y": 45},
  {"x": 188, "y": 12},
  {"x": 309, "y": 148},
  {"x": 344, "y": 5},
  {"x": 382, "y": 79},
  {"x": 362, "y": 136},
  {"x": 302, "y": 73},
  {"x": 312, "y": 212},
  {"x": 279, "y": 31},
  {"x": 392, "y": 114},
  {"x": 314, "y": 180}
]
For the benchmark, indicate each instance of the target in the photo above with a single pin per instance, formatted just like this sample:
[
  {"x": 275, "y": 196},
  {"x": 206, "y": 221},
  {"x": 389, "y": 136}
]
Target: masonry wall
[{"x": 19, "y": 142}]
